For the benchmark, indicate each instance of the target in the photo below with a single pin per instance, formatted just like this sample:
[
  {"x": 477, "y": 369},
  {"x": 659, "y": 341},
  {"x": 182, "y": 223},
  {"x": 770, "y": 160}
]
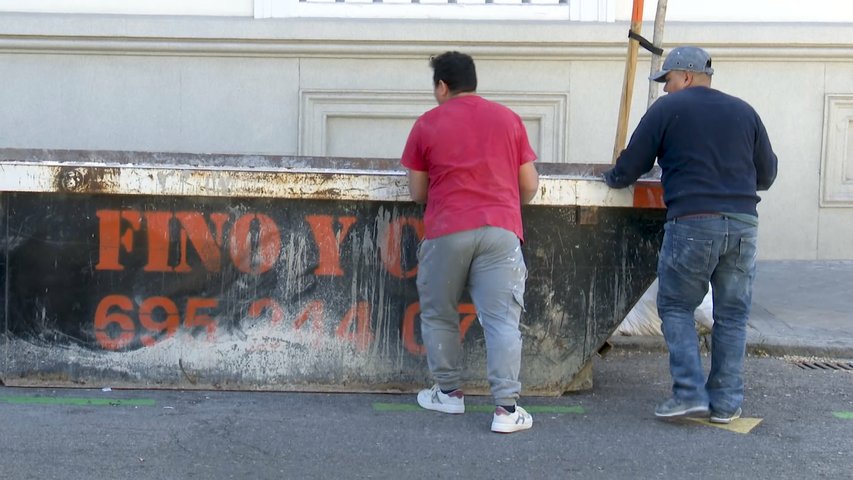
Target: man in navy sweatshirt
[{"x": 714, "y": 155}]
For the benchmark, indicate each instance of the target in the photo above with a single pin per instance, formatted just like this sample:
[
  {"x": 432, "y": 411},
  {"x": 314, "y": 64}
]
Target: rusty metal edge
[{"x": 261, "y": 176}]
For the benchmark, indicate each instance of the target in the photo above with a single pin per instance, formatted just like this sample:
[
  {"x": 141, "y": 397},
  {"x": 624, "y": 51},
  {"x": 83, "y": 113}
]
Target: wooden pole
[
  {"x": 628, "y": 83},
  {"x": 657, "y": 41}
]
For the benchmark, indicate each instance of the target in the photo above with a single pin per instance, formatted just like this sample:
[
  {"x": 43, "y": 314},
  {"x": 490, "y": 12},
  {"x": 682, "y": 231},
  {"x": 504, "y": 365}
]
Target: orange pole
[
  {"x": 628, "y": 83},
  {"x": 637, "y": 13}
]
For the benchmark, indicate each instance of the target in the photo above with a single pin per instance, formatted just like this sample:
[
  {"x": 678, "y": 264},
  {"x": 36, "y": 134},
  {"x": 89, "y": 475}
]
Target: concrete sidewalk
[{"x": 801, "y": 308}]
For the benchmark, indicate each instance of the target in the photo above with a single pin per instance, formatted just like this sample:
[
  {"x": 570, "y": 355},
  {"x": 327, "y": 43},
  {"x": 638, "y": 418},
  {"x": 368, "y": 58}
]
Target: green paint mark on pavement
[
  {"x": 543, "y": 409},
  {"x": 97, "y": 402},
  {"x": 843, "y": 415},
  {"x": 408, "y": 407}
]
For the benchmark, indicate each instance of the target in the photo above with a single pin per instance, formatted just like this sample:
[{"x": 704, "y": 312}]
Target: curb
[
  {"x": 761, "y": 346},
  {"x": 781, "y": 347},
  {"x": 637, "y": 343}
]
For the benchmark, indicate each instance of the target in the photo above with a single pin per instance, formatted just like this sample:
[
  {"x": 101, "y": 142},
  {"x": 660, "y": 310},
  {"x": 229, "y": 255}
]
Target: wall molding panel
[
  {"x": 836, "y": 176},
  {"x": 545, "y": 115}
]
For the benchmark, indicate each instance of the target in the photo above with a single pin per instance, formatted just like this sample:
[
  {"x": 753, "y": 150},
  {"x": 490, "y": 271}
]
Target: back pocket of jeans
[
  {"x": 747, "y": 253},
  {"x": 691, "y": 254}
]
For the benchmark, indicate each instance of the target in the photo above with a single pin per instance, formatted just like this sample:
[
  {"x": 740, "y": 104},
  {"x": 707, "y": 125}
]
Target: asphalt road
[{"x": 806, "y": 432}]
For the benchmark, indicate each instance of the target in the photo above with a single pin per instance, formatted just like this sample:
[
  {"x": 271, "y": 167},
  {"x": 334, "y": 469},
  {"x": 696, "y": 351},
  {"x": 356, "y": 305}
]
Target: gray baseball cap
[{"x": 685, "y": 59}]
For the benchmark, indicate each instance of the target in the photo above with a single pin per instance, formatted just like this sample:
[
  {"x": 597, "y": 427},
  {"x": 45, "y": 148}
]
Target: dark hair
[{"x": 456, "y": 70}]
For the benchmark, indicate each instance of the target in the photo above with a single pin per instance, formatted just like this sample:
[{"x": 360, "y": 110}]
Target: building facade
[{"x": 326, "y": 78}]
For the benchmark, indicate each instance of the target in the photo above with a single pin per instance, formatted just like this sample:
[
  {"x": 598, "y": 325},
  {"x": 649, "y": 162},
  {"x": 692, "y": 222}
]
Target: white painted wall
[
  {"x": 133, "y": 7},
  {"x": 353, "y": 88},
  {"x": 796, "y": 11}
]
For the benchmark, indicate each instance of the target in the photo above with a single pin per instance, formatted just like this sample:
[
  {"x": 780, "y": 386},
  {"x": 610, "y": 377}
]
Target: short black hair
[{"x": 456, "y": 70}]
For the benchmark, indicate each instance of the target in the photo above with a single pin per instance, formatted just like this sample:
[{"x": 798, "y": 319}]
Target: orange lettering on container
[
  {"x": 314, "y": 312},
  {"x": 169, "y": 325},
  {"x": 469, "y": 314},
  {"x": 362, "y": 336},
  {"x": 412, "y": 346},
  {"x": 195, "y": 319},
  {"x": 410, "y": 343},
  {"x": 194, "y": 228},
  {"x": 157, "y": 226},
  {"x": 259, "y": 307},
  {"x": 247, "y": 259},
  {"x": 328, "y": 243},
  {"x": 124, "y": 326},
  {"x": 392, "y": 247},
  {"x": 111, "y": 238}
]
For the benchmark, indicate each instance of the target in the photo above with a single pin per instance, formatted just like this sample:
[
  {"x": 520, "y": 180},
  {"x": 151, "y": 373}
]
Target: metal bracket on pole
[{"x": 645, "y": 43}]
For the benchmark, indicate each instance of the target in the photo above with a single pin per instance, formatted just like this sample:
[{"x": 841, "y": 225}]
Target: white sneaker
[
  {"x": 505, "y": 422},
  {"x": 433, "y": 399}
]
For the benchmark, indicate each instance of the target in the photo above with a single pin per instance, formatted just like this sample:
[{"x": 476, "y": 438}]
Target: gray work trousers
[{"x": 489, "y": 263}]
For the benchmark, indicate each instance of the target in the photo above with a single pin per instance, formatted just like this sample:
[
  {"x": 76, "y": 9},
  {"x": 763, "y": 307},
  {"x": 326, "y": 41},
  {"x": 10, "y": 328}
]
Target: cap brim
[{"x": 660, "y": 76}]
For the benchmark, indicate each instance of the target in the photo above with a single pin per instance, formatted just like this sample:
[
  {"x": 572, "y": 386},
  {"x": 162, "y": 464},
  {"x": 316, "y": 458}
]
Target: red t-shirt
[{"x": 471, "y": 149}]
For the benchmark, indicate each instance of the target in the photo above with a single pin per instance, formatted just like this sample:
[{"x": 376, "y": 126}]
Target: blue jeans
[{"x": 695, "y": 252}]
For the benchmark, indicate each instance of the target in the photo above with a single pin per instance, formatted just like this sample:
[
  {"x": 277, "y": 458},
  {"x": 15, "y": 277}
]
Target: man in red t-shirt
[{"x": 470, "y": 161}]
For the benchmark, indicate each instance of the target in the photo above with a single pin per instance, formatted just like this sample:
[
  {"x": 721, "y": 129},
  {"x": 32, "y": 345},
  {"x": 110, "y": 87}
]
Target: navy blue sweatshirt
[{"x": 712, "y": 148}]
